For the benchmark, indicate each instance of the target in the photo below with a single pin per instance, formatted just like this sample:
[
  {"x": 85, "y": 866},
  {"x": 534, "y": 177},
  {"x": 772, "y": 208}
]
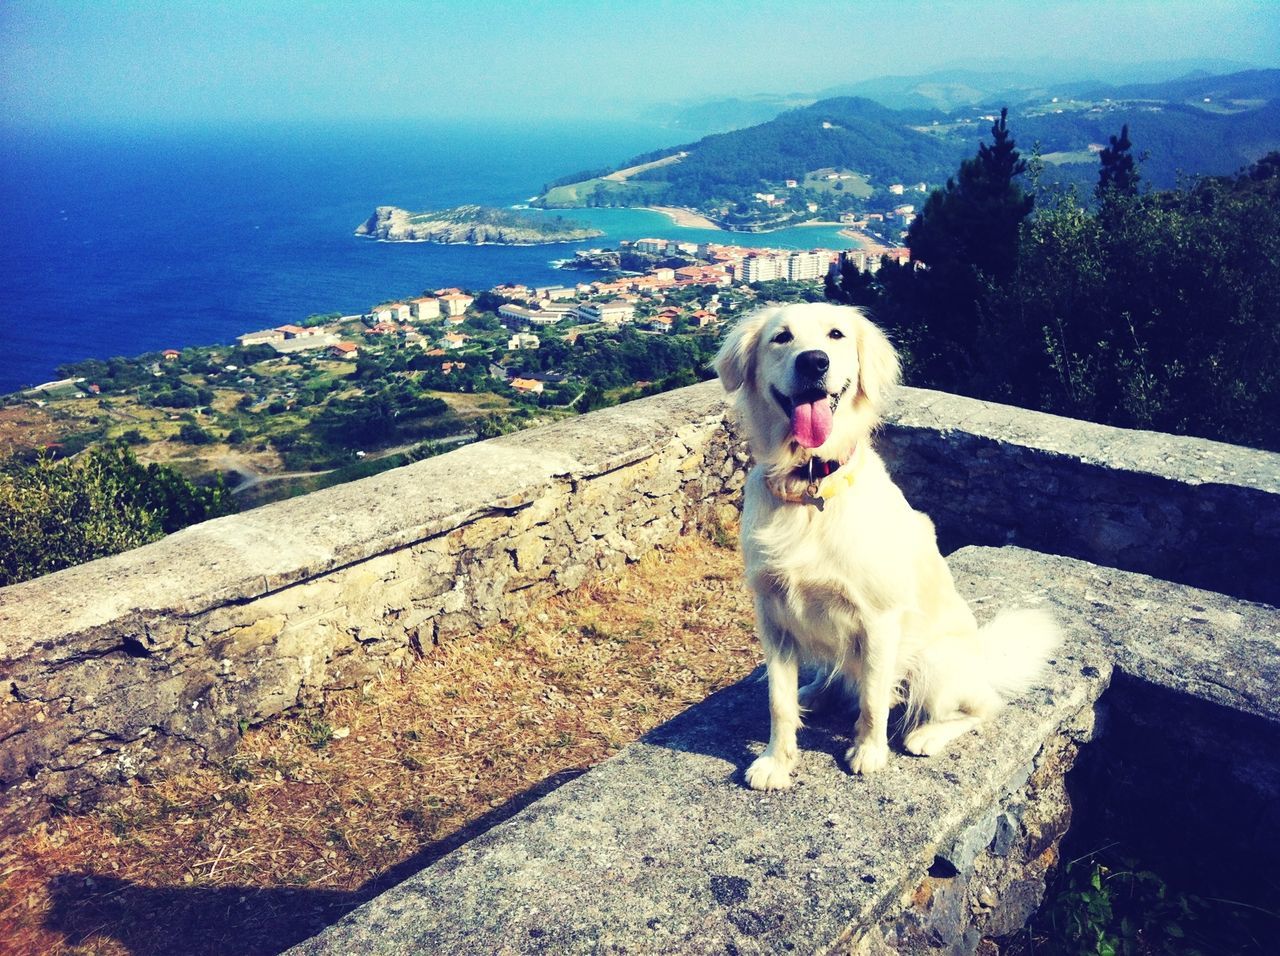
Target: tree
[
  {"x": 852, "y": 286},
  {"x": 1118, "y": 175},
  {"x": 973, "y": 221},
  {"x": 54, "y": 514},
  {"x": 967, "y": 236}
]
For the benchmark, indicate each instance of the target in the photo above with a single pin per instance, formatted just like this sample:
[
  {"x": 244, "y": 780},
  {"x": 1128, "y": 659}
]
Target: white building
[
  {"x": 616, "y": 312},
  {"x": 455, "y": 303},
  {"x": 519, "y": 314},
  {"x": 807, "y": 265},
  {"x": 523, "y": 340},
  {"x": 425, "y": 308},
  {"x": 265, "y": 337},
  {"x": 763, "y": 268}
]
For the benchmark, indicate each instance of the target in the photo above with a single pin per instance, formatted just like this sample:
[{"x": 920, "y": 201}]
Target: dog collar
[{"x": 817, "y": 481}]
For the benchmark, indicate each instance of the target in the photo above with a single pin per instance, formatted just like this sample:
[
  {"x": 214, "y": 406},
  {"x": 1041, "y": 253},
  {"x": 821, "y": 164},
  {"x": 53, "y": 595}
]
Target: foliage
[
  {"x": 1156, "y": 310},
  {"x": 54, "y": 514},
  {"x": 1117, "y": 908},
  {"x": 193, "y": 434},
  {"x": 1118, "y": 172}
]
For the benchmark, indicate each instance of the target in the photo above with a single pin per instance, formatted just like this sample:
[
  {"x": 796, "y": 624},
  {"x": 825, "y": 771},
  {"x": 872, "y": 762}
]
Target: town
[{"x": 334, "y": 397}]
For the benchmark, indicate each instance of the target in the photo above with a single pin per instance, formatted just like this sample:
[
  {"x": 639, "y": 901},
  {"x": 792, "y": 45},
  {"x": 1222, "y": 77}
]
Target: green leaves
[{"x": 55, "y": 514}]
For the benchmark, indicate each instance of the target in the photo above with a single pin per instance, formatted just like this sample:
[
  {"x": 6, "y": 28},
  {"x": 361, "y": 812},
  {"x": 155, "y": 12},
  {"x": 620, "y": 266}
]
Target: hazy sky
[{"x": 182, "y": 59}]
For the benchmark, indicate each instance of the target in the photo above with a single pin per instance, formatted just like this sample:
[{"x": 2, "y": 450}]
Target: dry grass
[{"x": 315, "y": 813}]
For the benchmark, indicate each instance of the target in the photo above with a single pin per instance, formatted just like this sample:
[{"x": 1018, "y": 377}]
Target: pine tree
[
  {"x": 967, "y": 235},
  {"x": 1119, "y": 174},
  {"x": 974, "y": 220}
]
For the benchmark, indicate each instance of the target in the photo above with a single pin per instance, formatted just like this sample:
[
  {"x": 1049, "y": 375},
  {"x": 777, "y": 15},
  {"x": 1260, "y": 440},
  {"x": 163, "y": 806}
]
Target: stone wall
[
  {"x": 1184, "y": 509},
  {"x": 128, "y": 666},
  {"x": 663, "y": 849}
]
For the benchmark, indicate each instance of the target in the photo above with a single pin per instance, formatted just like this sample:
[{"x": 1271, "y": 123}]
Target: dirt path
[{"x": 622, "y": 175}]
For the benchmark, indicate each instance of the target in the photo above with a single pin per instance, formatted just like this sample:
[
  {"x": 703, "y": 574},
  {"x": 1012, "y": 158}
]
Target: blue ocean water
[{"x": 121, "y": 241}]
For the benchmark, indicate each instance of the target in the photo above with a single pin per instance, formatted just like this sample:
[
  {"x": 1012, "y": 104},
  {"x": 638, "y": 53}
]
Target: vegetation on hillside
[
  {"x": 54, "y": 514},
  {"x": 1200, "y": 125},
  {"x": 1148, "y": 309}
]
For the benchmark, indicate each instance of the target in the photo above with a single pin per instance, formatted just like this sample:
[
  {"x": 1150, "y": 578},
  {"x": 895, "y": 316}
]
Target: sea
[{"x": 126, "y": 239}]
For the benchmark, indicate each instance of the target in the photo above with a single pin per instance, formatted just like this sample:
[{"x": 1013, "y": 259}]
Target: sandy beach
[
  {"x": 863, "y": 240},
  {"x": 685, "y": 217}
]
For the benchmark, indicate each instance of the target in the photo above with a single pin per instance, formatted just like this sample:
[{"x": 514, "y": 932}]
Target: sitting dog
[{"x": 846, "y": 575}]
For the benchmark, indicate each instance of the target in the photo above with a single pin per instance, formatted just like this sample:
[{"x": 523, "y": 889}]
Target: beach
[{"x": 686, "y": 217}]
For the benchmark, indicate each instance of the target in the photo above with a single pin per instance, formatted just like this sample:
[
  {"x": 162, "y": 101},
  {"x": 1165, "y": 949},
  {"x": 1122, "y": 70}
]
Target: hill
[
  {"x": 719, "y": 175},
  {"x": 1195, "y": 124}
]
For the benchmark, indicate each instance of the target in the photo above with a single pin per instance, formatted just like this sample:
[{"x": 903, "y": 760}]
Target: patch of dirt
[
  {"x": 25, "y": 428},
  {"x": 317, "y": 812}
]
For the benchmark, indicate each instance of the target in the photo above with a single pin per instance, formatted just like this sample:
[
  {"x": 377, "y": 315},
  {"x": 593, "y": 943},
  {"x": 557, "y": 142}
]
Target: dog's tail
[
  {"x": 1015, "y": 648},
  {"x": 977, "y": 673}
]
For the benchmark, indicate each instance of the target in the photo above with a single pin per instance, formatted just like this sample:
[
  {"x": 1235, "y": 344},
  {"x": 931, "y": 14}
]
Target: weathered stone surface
[
  {"x": 1185, "y": 509},
  {"x": 662, "y": 849},
  {"x": 119, "y": 668}
]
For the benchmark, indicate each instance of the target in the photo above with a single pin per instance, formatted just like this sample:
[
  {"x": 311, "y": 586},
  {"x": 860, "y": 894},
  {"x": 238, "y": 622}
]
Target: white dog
[{"x": 846, "y": 575}]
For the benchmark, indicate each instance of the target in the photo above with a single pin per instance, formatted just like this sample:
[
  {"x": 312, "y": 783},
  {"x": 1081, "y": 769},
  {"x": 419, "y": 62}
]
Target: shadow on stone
[{"x": 733, "y": 725}]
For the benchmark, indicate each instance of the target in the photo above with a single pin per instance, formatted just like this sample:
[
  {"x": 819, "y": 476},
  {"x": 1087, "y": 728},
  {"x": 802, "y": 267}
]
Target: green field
[
  {"x": 576, "y": 194},
  {"x": 859, "y": 186},
  {"x": 1069, "y": 158}
]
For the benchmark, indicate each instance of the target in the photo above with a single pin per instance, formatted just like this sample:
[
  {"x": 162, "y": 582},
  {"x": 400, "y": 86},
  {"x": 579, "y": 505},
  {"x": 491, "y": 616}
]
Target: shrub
[{"x": 54, "y": 514}]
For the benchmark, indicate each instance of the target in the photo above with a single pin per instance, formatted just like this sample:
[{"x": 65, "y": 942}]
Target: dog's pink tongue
[{"x": 811, "y": 422}]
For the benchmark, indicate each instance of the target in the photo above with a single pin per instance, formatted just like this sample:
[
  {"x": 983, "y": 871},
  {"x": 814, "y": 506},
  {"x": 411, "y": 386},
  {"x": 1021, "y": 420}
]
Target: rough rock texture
[
  {"x": 1185, "y": 509},
  {"x": 124, "y": 667},
  {"x": 472, "y": 225},
  {"x": 663, "y": 850}
]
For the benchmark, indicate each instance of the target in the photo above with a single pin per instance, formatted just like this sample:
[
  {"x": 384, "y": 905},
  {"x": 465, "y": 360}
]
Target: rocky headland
[{"x": 471, "y": 225}]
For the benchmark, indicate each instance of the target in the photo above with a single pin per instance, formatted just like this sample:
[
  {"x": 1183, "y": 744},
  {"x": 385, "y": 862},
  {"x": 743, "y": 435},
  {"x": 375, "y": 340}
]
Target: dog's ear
[
  {"x": 735, "y": 362},
  {"x": 878, "y": 366}
]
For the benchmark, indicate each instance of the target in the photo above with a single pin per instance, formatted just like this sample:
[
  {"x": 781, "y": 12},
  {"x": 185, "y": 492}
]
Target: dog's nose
[{"x": 812, "y": 364}]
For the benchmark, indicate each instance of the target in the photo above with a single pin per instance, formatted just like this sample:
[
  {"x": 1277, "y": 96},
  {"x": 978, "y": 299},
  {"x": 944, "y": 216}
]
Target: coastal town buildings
[
  {"x": 344, "y": 350},
  {"x": 529, "y": 386},
  {"x": 455, "y": 303},
  {"x": 523, "y": 340},
  {"x": 265, "y": 337},
  {"x": 616, "y": 312},
  {"x": 425, "y": 308},
  {"x": 390, "y": 312}
]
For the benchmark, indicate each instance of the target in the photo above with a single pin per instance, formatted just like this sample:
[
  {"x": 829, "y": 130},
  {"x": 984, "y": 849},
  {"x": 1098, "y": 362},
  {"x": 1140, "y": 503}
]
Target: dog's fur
[{"x": 854, "y": 584}]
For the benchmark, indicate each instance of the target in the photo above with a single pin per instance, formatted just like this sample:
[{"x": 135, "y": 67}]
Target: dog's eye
[
  {"x": 782, "y": 338},
  {"x": 835, "y": 334}
]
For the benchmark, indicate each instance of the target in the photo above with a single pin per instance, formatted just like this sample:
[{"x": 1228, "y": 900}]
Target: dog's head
[{"x": 811, "y": 380}]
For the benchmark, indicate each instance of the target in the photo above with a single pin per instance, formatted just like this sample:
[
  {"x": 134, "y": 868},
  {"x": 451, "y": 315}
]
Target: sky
[{"x": 130, "y": 61}]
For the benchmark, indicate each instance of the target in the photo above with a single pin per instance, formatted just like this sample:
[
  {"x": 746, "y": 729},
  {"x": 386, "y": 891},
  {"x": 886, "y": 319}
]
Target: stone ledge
[
  {"x": 249, "y": 555},
  {"x": 661, "y": 849}
]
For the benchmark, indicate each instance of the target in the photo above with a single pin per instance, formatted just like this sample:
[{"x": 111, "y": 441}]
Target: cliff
[{"x": 472, "y": 225}]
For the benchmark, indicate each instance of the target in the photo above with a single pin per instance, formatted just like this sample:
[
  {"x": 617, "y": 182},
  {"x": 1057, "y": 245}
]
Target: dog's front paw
[
  {"x": 769, "y": 773},
  {"x": 927, "y": 740},
  {"x": 867, "y": 757}
]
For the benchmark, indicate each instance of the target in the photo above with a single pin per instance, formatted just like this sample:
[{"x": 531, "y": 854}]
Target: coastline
[
  {"x": 686, "y": 217},
  {"x": 862, "y": 239}
]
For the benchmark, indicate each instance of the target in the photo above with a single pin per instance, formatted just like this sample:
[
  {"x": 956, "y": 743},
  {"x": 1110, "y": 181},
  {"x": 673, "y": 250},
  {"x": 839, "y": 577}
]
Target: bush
[
  {"x": 193, "y": 434},
  {"x": 55, "y": 514}
]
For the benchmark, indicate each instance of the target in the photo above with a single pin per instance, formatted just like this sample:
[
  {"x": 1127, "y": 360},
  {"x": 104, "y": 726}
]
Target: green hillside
[{"x": 1196, "y": 125}]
